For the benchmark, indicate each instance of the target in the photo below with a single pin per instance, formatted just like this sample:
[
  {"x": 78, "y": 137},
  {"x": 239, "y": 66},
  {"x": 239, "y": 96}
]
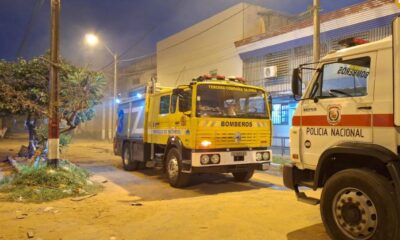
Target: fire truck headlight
[
  {"x": 266, "y": 156},
  {"x": 204, "y": 159},
  {"x": 258, "y": 156},
  {"x": 215, "y": 159},
  {"x": 205, "y": 143}
]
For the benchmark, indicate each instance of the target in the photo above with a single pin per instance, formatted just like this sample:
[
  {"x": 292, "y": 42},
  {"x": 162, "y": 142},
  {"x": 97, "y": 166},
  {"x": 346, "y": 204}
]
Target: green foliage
[
  {"x": 43, "y": 183},
  {"x": 24, "y": 89}
]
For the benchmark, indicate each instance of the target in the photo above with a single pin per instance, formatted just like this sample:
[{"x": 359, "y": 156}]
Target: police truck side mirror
[{"x": 296, "y": 83}]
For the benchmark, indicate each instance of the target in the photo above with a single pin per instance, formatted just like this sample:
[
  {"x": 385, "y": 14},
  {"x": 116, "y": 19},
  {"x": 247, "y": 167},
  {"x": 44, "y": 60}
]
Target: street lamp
[{"x": 92, "y": 40}]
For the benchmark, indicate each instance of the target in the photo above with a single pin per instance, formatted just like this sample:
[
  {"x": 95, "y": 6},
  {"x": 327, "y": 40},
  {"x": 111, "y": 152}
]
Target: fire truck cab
[
  {"x": 212, "y": 125},
  {"x": 345, "y": 139}
]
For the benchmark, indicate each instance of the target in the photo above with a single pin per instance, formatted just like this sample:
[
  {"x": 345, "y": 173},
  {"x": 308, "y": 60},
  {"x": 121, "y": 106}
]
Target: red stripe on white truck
[{"x": 350, "y": 120}]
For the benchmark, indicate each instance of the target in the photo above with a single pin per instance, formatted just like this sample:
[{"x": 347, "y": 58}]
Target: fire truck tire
[
  {"x": 173, "y": 167},
  {"x": 359, "y": 205},
  {"x": 243, "y": 176},
  {"x": 127, "y": 162}
]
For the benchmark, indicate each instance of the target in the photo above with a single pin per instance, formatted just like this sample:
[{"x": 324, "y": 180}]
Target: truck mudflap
[
  {"x": 292, "y": 179},
  {"x": 231, "y": 168}
]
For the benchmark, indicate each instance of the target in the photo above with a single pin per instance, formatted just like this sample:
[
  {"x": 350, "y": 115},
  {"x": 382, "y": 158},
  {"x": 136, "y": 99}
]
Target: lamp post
[{"x": 92, "y": 40}]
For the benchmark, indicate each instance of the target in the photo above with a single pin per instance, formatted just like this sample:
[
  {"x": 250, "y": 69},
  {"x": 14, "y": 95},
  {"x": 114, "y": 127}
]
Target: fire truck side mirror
[{"x": 296, "y": 83}]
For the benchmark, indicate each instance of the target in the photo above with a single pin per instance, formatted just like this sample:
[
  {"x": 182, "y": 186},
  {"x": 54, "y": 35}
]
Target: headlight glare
[{"x": 205, "y": 143}]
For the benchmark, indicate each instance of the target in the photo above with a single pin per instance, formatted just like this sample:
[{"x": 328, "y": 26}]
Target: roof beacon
[
  {"x": 220, "y": 77},
  {"x": 351, "y": 42}
]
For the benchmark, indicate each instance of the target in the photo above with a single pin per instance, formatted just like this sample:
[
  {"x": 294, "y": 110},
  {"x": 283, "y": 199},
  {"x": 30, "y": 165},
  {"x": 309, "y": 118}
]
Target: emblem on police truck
[{"x": 334, "y": 115}]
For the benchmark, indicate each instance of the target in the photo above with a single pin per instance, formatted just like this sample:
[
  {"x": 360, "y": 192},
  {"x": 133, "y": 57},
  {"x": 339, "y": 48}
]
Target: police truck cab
[{"x": 345, "y": 139}]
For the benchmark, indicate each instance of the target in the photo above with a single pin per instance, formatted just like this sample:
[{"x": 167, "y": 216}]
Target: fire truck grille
[{"x": 234, "y": 139}]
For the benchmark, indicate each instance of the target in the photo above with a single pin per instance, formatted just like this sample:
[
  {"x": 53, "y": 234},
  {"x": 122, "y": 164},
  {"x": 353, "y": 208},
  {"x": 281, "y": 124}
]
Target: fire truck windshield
[{"x": 230, "y": 101}]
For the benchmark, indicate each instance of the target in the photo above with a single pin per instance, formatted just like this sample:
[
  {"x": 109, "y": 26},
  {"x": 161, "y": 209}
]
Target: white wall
[{"x": 206, "y": 46}]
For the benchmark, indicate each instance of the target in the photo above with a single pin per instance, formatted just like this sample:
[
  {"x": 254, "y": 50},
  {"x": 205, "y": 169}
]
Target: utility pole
[
  {"x": 54, "y": 131},
  {"x": 316, "y": 36}
]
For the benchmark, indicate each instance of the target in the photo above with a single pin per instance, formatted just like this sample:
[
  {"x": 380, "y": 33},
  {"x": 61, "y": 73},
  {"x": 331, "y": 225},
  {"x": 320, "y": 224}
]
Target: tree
[{"x": 24, "y": 90}]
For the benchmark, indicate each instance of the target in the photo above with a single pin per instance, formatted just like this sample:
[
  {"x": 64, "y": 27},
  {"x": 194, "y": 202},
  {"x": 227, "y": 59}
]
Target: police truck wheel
[
  {"x": 127, "y": 162},
  {"x": 173, "y": 168},
  {"x": 359, "y": 205},
  {"x": 243, "y": 176}
]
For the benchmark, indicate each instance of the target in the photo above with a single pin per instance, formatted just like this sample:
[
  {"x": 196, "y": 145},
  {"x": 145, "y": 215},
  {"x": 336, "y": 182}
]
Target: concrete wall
[{"x": 208, "y": 46}]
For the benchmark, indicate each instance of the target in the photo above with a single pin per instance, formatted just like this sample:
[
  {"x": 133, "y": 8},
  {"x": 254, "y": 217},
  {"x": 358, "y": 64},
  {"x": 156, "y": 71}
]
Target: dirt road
[{"x": 211, "y": 208}]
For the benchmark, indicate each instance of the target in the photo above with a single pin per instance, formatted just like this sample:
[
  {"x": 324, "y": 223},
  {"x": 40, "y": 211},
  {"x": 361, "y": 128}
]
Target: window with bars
[{"x": 280, "y": 114}]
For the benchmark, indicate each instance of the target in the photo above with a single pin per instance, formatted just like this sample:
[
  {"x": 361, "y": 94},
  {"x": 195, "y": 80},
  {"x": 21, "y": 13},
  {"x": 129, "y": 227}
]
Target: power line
[
  {"x": 193, "y": 36},
  {"x": 205, "y": 30},
  {"x": 144, "y": 36},
  {"x": 137, "y": 58},
  {"x": 36, "y": 8}
]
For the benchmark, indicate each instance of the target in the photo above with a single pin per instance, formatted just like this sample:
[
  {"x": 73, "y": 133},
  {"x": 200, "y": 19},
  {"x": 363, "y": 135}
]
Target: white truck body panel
[
  {"x": 368, "y": 118},
  {"x": 396, "y": 63}
]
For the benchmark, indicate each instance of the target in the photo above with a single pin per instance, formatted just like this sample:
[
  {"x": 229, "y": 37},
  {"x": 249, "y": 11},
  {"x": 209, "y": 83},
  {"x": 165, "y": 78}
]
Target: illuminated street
[{"x": 213, "y": 207}]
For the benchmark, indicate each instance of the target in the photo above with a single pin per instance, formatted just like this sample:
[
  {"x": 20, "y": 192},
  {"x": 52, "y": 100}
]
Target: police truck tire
[
  {"x": 359, "y": 205},
  {"x": 243, "y": 176},
  {"x": 127, "y": 162},
  {"x": 173, "y": 167}
]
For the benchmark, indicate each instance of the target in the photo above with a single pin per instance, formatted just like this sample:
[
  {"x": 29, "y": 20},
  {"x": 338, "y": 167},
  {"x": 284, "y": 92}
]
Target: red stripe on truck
[
  {"x": 383, "y": 120},
  {"x": 350, "y": 120}
]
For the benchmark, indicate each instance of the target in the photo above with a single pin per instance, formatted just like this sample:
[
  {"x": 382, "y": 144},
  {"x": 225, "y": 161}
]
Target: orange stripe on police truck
[{"x": 350, "y": 120}]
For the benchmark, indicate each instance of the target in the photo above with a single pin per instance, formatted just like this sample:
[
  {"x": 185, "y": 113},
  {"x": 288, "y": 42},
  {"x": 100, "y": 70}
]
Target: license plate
[{"x": 238, "y": 154}]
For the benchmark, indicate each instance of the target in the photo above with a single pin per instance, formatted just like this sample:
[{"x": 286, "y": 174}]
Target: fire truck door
[
  {"x": 181, "y": 104},
  {"x": 160, "y": 120}
]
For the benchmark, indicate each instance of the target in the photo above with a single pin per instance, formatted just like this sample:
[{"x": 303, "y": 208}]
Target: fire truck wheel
[
  {"x": 359, "y": 205},
  {"x": 243, "y": 176},
  {"x": 127, "y": 162},
  {"x": 173, "y": 167}
]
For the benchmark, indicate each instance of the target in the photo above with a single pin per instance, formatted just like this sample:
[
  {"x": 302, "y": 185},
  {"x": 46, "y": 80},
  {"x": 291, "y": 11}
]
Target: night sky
[{"x": 131, "y": 27}]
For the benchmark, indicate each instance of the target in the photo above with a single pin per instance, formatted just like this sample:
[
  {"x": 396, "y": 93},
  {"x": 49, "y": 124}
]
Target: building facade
[{"x": 208, "y": 46}]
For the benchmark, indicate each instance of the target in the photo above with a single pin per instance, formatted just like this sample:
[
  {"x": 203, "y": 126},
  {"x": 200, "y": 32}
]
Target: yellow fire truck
[{"x": 212, "y": 125}]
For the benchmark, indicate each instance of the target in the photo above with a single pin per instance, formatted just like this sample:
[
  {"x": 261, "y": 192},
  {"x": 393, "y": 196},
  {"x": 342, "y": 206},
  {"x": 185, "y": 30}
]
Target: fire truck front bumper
[
  {"x": 228, "y": 161},
  {"x": 231, "y": 168}
]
